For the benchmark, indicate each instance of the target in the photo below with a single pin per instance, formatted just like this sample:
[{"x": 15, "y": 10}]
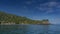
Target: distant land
[{"x": 6, "y": 18}]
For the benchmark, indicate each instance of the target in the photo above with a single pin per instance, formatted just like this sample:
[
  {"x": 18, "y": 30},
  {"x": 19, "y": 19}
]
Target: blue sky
[{"x": 34, "y": 9}]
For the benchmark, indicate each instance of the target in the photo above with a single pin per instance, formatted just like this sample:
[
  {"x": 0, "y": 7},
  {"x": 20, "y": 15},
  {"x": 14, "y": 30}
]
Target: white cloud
[
  {"x": 49, "y": 6},
  {"x": 28, "y": 2},
  {"x": 24, "y": 7},
  {"x": 57, "y": 21},
  {"x": 49, "y": 11}
]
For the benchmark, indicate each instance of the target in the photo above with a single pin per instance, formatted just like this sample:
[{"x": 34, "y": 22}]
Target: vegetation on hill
[{"x": 10, "y": 18}]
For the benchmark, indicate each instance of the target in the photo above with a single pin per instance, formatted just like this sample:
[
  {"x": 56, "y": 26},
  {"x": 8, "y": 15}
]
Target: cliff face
[
  {"x": 10, "y": 18},
  {"x": 45, "y": 21}
]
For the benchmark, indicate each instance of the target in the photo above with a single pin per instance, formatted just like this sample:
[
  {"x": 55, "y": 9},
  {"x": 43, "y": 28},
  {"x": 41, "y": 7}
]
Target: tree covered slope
[{"x": 8, "y": 18}]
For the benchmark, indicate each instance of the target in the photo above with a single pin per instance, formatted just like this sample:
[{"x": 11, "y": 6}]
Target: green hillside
[{"x": 8, "y": 18}]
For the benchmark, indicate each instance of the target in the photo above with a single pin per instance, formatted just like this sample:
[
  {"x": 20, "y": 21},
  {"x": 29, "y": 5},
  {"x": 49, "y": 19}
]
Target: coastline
[{"x": 25, "y": 24}]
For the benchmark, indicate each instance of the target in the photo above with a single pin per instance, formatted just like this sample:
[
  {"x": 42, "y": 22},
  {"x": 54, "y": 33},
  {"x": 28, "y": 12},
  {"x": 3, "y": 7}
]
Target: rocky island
[{"x": 6, "y": 18}]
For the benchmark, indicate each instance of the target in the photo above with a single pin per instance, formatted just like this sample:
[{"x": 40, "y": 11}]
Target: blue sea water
[{"x": 29, "y": 29}]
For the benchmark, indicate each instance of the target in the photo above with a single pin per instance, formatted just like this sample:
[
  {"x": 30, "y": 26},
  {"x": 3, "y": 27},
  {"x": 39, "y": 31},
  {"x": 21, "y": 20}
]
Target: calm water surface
[{"x": 29, "y": 29}]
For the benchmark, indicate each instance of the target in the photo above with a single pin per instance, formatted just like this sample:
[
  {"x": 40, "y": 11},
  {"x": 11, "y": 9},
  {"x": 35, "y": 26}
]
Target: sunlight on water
[{"x": 29, "y": 29}]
